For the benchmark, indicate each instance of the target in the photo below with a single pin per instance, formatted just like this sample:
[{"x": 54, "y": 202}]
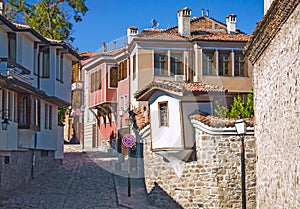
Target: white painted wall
[
  {"x": 166, "y": 137},
  {"x": 3, "y": 43}
]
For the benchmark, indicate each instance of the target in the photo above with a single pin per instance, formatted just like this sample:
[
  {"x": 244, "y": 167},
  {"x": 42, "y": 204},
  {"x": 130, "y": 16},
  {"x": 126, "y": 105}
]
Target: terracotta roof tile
[
  {"x": 141, "y": 117},
  {"x": 112, "y": 52},
  {"x": 221, "y": 36},
  {"x": 216, "y": 122},
  {"x": 165, "y": 36},
  {"x": 182, "y": 88}
]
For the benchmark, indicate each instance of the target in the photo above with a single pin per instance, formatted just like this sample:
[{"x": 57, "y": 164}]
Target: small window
[
  {"x": 92, "y": 82},
  {"x": 125, "y": 102},
  {"x": 114, "y": 77},
  {"x": 46, "y": 64},
  {"x": 160, "y": 64},
  {"x": 176, "y": 64},
  {"x": 239, "y": 64},
  {"x": 12, "y": 49},
  {"x": 163, "y": 114},
  {"x": 209, "y": 63},
  {"x": 224, "y": 64}
]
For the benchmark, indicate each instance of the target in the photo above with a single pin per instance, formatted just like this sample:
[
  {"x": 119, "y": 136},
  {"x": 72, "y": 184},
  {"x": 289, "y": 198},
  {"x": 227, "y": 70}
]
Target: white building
[{"x": 35, "y": 80}]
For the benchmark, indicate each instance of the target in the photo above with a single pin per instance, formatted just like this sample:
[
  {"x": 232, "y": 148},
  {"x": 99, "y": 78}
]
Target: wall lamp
[{"x": 4, "y": 123}]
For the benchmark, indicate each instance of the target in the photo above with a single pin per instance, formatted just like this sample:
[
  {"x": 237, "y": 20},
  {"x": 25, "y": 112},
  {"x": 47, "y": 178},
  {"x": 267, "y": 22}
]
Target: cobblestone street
[{"x": 81, "y": 182}]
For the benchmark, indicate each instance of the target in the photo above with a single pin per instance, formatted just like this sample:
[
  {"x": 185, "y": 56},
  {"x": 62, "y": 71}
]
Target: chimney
[
  {"x": 104, "y": 48},
  {"x": 202, "y": 12},
  {"x": 2, "y": 7},
  {"x": 131, "y": 33},
  {"x": 184, "y": 22},
  {"x": 207, "y": 13},
  {"x": 231, "y": 23},
  {"x": 115, "y": 45}
]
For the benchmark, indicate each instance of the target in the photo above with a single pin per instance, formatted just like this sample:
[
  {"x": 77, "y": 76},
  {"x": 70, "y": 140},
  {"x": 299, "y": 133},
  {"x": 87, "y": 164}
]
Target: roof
[
  {"x": 216, "y": 122},
  {"x": 202, "y": 29},
  {"x": 178, "y": 88},
  {"x": 141, "y": 116},
  {"x": 26, "y": 28},
  {"x": 268, "y": 27}
]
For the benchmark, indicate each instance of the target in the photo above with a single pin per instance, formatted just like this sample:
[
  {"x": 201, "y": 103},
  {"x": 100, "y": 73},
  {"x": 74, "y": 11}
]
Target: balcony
[{"x": 15, "y": 71}]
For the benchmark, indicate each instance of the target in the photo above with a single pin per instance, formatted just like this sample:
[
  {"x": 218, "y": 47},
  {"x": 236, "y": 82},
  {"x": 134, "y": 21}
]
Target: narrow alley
[{"x": 83, "y": 181}]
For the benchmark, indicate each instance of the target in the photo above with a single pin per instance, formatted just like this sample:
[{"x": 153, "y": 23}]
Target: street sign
[{"x": 128, "y": 140}]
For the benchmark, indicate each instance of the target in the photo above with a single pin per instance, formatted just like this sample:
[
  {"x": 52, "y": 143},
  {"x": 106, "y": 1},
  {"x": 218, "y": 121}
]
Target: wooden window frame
[
  {"x": 113, "y": 77},
  {"x": 209, "y": 65},
  {"x": 225, "y": 65},
  {"x": 160, "y": 104},
  {"x": 238, "y": 63},
  {"x": 177, "y": 63},
  {"x": 161, "y": 63}
]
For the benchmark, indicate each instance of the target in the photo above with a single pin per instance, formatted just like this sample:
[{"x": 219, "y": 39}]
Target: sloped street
[{"x": 83, "y": 181}]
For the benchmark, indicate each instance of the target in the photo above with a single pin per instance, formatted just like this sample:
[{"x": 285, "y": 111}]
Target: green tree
[
  {"x": 62, "y": 114},
  {"x": 51, "y": 18},
  {"x": 239, "y": 108},
  {"x": 220, "y": 110}
]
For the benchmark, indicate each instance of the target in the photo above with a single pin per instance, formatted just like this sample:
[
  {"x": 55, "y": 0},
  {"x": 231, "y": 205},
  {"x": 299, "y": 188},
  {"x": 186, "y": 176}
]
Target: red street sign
[{"x": 128, "y": 140}]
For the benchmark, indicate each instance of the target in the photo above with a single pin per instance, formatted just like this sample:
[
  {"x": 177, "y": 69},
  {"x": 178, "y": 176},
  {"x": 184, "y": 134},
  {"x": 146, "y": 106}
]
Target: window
[
  {"x": 12, "y": 50},
  {"x": 61, "y": 67},
  {"x": 48, "y": 117},
  {"x": 121, "y": 103},
  {"x": 163, "y": 114},
  {"x": 113, "y": 77},
  {"x": 224, "y": 64},
  {"x": 46, "y": 64},
  {"x": 133, "y": 67},
  {"x": 35, "y": 58},
  {"x": 125, "y": 102},
  {"x": 123, "y": 70},
  {"x": 92, "y": 82},
  {"x": 176, "y": 64},
  {"x": 209, "y": 63},
  {"x": 99, "y": 80},
  {"x": 239, "y": 64},
  {"x": 160, "y": 64},
  {"x": 23, "y": 103},
  {"x": 57, "y": 64},
  {"x": 35, "y": 115}
]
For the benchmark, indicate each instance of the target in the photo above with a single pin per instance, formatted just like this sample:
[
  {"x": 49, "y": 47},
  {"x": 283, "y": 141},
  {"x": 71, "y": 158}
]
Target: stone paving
[{"x": 84, "y": 181}]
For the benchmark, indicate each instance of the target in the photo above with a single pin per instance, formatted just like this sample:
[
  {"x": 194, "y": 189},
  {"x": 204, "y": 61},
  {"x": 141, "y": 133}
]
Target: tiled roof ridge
[
  {"x": 217, "y": 122},
  {"x": 113, "y": 51},
  {"x": 268, "y": 27},
  {"x": 180, "y": 87}
]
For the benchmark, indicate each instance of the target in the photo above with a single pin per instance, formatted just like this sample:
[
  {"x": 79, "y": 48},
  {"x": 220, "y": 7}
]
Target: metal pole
[
  {"x": 243, "y": 173},
  {"x": 128, "y": 179}
]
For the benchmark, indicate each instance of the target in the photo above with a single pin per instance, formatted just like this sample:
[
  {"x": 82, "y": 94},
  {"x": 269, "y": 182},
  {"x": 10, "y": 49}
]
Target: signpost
[{"x": 128, "y": 140}]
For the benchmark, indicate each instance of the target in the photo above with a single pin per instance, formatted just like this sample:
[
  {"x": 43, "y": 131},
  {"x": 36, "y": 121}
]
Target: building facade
[{"x": 35, "y": 81}]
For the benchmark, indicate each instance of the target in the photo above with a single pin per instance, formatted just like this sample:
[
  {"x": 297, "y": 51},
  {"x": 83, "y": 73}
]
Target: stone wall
[
  {"x": 213, "y": 180},
  {"x": 16, "y": 167},
  {"x": 277, "y": 113}
]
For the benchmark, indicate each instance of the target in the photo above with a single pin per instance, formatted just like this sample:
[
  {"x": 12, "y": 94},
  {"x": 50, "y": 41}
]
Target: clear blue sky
[{"x": 108, "y": 20}]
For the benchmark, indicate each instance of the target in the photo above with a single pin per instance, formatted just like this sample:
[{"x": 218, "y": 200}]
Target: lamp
[
  {"x": 240, "y": 125},
  {"x": 5, "y": 122}
]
